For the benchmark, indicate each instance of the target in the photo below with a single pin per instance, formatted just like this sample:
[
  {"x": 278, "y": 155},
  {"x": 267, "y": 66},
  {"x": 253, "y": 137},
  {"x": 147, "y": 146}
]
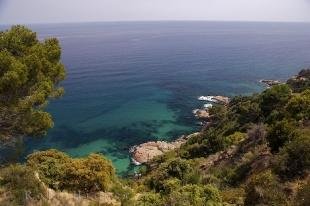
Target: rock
[
  {"x": 201, "y": 113},
  {"x": 270, "y": 82},
  {"x": 221, "y": 99},
  {"x": 216, "y": 99},
  {"x": 145, "y": 152}
]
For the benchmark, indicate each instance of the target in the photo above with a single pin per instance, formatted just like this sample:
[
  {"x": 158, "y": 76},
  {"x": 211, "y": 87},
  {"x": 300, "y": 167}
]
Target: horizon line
[{"x": 152, "y": 21}]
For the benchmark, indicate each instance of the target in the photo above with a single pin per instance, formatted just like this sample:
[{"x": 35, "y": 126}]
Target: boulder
[
  {"x": 145, "y": 152},
  {"x": 202, "y": 114}
]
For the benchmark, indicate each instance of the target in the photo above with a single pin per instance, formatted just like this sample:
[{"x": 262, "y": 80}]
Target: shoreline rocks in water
[
  {"x": 202, "y": 114},
  {"x": 270, "y": 82},
  {"x": 145, "y": 152},
  {"x": 216, "y": 99}
]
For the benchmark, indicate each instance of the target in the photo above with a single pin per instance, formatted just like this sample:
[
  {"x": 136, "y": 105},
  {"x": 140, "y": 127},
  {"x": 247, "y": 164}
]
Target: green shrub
[
  {"x": 298, "y": 106},
  {"x": 58, "y": 171},
  {"x": 294, "y": 158},
  {"x": 275, "y": 98},
  {"x": 180, "y": 169},
  {"x": 247, "y": 109},
  {"x": 90, "y": 174},
  {"x": 51, "y": 165},
  {"x": 149, "y": 199},
  {"x": 197, "y": 195},
  {"x": 124, "y": 194},
  {"x": 194, "y": 151},
  {"x": 280, "y": 133},
  {"x": 236, "y": 138},
  {"x": 264, "y": 189},
  {"x": 171, "y": 185},
  {"x": 20, "y": 181}
]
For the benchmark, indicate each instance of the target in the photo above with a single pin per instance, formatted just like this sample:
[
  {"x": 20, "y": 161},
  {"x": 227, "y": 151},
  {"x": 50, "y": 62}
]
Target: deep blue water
[{"x": 128, "y": 83}]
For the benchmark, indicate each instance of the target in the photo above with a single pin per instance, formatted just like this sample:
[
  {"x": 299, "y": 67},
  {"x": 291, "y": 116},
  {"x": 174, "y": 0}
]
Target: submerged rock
[{"x": 145, "y": 152}]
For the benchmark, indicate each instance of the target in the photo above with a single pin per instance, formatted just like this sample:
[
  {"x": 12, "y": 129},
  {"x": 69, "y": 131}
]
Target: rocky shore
[
  {"x": 270, "y": 82},
  {"x": 215, "y": 99},
  {"x": 203, "y": 114},
  {"x": 145, "y": 152}
]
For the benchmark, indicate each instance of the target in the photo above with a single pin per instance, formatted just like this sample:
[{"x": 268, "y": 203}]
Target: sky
[{"x": 61, "y": 11}]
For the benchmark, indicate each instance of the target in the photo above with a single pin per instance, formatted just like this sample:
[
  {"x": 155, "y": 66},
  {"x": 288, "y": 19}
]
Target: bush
[
  {"x": 233, "y": 196},
  {"x": 90, "y": 174},
  {"x": 247, "y": 109},
  {"x": 294, "y": 158},
  {"x": 58, "y": 171},
  {"x": 180, "y": 169},
  {"x": 51, "y": 165},
  {"x": 197, "y": 195},
  {"x": 171, "y": 185},
  {"x": 279, "y": 133},
  {"x": 257, "y": 133},
  {"x": 194, "y": 151},
  {"x": 123, "y": 194},
  {"x": 177, "y": 169},
  {"x": 303, "y": 195},
  {"x": 236, "y": 138},
  {"x": 275, "y": 98},
  {"x": 20, "y": 181},
  {"x": 149, "y": 199},
  {"x": 298, "y": 107},
  {"x": 264, "y": 189}
]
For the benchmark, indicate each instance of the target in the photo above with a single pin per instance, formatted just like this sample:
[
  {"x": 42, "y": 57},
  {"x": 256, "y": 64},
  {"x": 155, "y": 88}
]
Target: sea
[{"x": 132, "y": 82}]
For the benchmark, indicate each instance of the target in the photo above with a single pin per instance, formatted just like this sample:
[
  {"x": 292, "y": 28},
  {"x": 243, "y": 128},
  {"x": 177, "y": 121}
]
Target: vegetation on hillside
[{"x": 255, "y": 151}]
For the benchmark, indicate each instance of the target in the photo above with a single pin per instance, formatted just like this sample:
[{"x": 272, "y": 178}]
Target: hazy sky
[{"x": 43, "y": 11}]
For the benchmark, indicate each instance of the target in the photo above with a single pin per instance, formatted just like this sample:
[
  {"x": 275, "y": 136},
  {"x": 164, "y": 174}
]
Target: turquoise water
[{"x": 133, "y": 82}]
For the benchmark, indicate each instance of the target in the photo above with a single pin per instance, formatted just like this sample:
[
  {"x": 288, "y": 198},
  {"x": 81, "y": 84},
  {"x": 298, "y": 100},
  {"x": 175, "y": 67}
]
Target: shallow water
[{"x": 133, "y": 82}]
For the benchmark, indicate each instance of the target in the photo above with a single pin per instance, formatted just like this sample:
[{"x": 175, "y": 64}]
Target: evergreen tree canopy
[{"x": 30, "y": 73}]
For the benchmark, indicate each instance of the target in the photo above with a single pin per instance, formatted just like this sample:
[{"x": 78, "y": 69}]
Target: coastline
[{"x": 145, "y": 152}]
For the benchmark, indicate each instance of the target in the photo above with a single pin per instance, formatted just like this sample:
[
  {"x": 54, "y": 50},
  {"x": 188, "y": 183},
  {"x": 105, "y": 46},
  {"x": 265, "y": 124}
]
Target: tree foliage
[
  {"x": 275, "y": 98},
  {"x": 279, "y": 133},
  {"x": 30, "y": 73}
]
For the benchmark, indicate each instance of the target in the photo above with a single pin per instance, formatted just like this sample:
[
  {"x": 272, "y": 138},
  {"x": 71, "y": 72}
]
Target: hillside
[{"x": 254, "y": 151}]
